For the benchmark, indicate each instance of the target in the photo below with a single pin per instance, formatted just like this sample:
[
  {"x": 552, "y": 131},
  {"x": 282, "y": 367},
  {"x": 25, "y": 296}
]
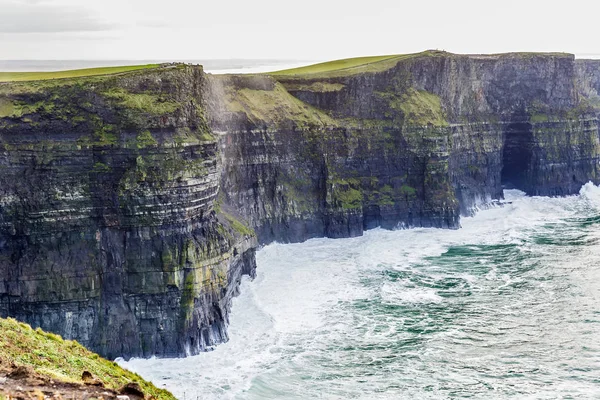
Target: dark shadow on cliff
[{"x": 517, "y": 155}]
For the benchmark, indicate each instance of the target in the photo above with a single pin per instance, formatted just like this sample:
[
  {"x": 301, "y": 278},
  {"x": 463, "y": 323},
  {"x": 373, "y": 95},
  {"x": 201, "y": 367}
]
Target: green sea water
[{"x": 506, "y": 307}]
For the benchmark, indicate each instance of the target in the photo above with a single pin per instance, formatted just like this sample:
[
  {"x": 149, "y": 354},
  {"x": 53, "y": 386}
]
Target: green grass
[
  {"x": 39, "y": 76},
  {"x": 51, "y": 356},
  {"x": 274, "y": 106},
  {"x": 145, "y": 139},
  {"x": 538, "y": 118},
  {"x": 408, "y": 191},
  {"x": 351, "y": 66},
  {"x": 149, "y": 103},
  {"x": 346, "y": 193},
  {"x": 316, "y": 87},
  {"x": 421, "y": 108},
  {"x": 349, "y": 198},
  {"x": 237, "y": 225},
  {"x": 7, "y": 108},
  {"x": 335, "y": 65}
]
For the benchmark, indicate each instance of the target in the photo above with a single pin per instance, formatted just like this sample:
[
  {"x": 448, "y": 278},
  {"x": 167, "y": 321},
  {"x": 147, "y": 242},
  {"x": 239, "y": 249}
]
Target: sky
[{"x": 298, "y": 30}]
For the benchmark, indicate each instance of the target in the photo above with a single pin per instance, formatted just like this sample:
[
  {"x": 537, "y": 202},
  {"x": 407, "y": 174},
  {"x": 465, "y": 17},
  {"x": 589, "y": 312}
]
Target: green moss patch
[
  {"x": 7, "y": 108},
  {"x": 49, "y": 355},
  {"x": 145, "y": 139},
  {"x": 316, "y": 87},
  {"x": 346, "y": 193},
  {"x": 408, "y": 191},
  {"x": 418, "y": 107},
  {"x": 237, "y": 225},
  {"x": 146, "y": 102},
  {"x": 538, "y": 118},
  {"x": 274, "y": 107}
]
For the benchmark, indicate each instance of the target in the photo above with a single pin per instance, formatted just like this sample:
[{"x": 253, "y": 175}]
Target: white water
[{"x": 506, "y": 307}]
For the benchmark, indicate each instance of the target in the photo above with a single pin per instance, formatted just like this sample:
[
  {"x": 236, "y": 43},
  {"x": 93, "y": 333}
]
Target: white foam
[
  {"x": 294, "y": 325},
  {"x": 400, "y": 294},
  {"x": 591, "y": 193}
]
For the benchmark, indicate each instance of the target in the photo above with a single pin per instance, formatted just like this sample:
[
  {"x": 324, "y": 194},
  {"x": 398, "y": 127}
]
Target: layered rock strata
[
  {"x": 414, "y": 141},
  {"x": 110, "y": 228},
  {"x": 131, "y": 205}
]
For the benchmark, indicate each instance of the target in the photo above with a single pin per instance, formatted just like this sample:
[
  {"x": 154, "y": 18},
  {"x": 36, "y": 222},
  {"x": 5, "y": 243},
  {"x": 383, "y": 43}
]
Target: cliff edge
[{"x": 111, "y": 232}]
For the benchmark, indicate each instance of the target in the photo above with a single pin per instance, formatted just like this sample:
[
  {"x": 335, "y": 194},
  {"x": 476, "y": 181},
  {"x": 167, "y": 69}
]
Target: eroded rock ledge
[{"x": 131, "y": 205}]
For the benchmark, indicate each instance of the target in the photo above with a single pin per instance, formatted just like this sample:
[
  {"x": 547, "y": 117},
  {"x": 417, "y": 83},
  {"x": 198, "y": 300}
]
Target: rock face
[
  {"x": 415, "y": 142},
  {"x": 129, "y": 203},
  {"x": 110, "y": 229}
]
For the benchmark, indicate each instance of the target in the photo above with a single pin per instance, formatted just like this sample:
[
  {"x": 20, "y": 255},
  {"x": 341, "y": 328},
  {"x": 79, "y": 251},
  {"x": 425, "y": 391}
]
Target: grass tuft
[
  {"x": 237, "y": 225},
  {"x": 146, "y": 102},
  {"x": 51, "y": 356}
]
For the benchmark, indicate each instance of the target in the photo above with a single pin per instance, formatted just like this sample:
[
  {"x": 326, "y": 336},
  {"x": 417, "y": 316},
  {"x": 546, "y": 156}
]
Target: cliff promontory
[
  {"x": 131, "y": 204},
  {"x": 111, "y": 232}
]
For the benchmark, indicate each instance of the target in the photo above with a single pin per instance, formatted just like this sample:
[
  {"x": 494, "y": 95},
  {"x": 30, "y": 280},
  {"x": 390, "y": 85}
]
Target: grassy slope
[
  {"x": 336, "y": 65},
  {"x": 274, "y": 106},
  {"x": 353, "y": 66},
  {"x": 65, "y": 360},
  {"x": 37, "y": 76}
]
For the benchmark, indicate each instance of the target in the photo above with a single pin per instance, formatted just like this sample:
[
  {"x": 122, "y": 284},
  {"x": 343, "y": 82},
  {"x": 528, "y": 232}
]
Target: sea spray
[{"x": 506, "y": 307}]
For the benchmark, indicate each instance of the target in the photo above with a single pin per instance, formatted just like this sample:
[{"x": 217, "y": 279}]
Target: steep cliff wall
[
  {"x": 109, "y": 230},
  {"x": 129, "y": 203},
  {"x": 294, "y": 171},
  {"x": 406, "y": 141}
]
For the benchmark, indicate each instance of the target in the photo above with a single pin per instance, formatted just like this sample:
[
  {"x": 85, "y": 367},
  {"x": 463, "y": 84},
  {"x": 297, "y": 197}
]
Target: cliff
[
  {"x": 129, "y": 202},
  {"x": 402, "y": 141},
  {"x": 110, "y": 228}
]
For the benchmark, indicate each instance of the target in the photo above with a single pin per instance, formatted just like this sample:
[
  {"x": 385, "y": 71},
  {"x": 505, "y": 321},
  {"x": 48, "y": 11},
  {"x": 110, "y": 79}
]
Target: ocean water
[{"x": 506, "y": 307}]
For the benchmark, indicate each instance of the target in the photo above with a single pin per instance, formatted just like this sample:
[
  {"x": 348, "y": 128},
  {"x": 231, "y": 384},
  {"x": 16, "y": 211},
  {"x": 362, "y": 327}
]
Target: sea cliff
[
  {"x": 407, "y": 141},
  {"x": 111, "y": 231},
  {"x": 132, "y": 204}
]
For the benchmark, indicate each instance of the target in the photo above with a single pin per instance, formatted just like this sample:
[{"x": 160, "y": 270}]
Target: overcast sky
[{"x": 306, "y": 30}]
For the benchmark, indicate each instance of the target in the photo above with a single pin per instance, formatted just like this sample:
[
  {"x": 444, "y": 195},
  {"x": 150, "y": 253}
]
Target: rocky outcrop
[
  {"x": 131, "y": 205},
  {"x": 110, "y": 228}
]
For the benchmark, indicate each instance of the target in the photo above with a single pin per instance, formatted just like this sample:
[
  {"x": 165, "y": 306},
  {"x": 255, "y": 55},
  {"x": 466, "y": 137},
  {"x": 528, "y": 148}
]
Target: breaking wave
[{"x": 506, "y": 307}]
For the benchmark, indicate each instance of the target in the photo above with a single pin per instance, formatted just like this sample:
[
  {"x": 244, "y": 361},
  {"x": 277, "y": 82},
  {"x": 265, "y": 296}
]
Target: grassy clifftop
[
  {"x": 348, "y": 64},
  {"x": 50, "y": 356},
  {"x": 358, "y": 65},
  {"x": 78, "y": 73},
  {"x": 348, "y": 67},
  {"x": 105, "y": 106}
]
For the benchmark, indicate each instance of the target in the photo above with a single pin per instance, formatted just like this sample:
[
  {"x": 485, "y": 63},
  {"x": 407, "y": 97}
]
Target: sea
[{"x": 507, "y": 307}]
